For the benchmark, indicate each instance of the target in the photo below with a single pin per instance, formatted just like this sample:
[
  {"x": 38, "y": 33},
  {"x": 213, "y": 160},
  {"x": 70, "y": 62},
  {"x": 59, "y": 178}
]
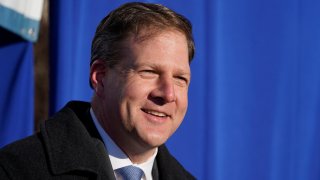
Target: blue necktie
[{"x": 130, "y": 173}]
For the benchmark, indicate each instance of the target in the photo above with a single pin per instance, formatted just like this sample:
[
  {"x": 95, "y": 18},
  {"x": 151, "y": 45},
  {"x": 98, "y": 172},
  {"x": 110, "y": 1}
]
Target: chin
[
  {"x": 155, "y": 140},
  {"x": 153, "y": 136}
]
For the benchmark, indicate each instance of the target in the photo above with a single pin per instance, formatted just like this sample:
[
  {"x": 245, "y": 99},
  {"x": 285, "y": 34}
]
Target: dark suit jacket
[{"x": 68, "y": 146}]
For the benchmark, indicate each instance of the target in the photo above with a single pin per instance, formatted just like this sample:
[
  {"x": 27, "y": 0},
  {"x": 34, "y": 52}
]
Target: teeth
[{"x": 156, "y": 113}]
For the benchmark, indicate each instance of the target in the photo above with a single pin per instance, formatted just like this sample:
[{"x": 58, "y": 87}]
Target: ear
[{"x": 98, "y": 71}]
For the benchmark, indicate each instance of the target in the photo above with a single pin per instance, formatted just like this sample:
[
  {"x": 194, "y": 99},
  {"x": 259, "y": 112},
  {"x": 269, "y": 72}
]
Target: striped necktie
[{"x": 130, "y": 173}]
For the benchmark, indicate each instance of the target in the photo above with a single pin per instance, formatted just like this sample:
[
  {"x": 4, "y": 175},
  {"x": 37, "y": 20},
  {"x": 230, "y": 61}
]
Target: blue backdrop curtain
[
  {"x": 254, "y": 101},
  {"x": 17, "y": 85}
]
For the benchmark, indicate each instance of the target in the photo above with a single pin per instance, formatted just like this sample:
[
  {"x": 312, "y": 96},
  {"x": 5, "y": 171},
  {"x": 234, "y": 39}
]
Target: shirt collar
[{"x": 117, "y": 157}]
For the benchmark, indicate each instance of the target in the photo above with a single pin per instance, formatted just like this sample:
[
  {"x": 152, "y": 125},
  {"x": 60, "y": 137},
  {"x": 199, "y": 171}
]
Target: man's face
[{"x": 145, "y": 95}]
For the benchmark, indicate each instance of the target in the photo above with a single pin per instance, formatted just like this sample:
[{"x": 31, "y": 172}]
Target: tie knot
[{"x": 130, "y": 173}]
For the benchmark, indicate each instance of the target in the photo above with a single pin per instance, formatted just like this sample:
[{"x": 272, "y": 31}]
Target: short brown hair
[{"x": 130, "y": 19}]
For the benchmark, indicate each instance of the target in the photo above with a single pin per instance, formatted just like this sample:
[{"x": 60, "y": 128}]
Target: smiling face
[{"x": 144, "y": 97}]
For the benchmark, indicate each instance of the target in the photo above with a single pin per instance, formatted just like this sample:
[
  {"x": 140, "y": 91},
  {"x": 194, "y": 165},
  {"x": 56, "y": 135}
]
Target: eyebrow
[{"x": 179, "y": 71}]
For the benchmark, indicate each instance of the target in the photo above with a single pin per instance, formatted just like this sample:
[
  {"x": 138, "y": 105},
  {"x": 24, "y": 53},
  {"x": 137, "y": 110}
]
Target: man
[{"x": 140, "y": 75}]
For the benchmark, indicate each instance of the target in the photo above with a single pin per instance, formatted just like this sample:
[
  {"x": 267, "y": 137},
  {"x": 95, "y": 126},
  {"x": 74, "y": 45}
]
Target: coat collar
[{"x": 73, "y": 143}]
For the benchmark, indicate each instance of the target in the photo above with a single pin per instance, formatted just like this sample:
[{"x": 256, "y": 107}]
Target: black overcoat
[{"x": 69, "y": 146}]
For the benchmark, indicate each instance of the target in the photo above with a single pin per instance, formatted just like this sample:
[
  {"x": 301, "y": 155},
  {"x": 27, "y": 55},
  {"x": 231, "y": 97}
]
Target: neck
[
  {"x": 138, "y": 152},
  {"x": 141, "y": 157}
]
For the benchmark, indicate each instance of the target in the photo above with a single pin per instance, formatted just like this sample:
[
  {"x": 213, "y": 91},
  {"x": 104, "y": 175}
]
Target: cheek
[
  {"x": 182, "y": 101},
  {"x": 136, "y": 90},
  {"x": 182, "y": 106},
  {"x": 133, "y": 96}
]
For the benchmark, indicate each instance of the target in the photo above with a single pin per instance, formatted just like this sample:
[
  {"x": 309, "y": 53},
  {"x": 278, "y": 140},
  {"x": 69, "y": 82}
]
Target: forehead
[
  {"x": 165, "y": 39},
  {"x": 158, "y": 37},
  {"x": 150, "y": 32},
  {"x": 162, "y": 47}
]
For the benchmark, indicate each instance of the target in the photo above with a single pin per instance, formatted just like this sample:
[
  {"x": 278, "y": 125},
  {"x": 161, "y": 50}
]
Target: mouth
[{"x": 155, "y": 113}]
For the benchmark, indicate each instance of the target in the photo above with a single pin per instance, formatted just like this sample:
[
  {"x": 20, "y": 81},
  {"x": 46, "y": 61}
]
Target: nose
[{"x": 165, "y": 91}]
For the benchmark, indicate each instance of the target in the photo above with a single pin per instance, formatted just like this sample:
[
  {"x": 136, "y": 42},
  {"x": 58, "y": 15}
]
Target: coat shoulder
[{"x": 22, "y": 157}]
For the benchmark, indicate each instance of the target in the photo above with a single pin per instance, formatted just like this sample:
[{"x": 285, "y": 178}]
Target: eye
[
  {"x": 181, "y": 80},
  {"x": 148, "y": 73}
]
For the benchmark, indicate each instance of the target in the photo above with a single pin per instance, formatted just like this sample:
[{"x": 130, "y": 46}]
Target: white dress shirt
[{"x": 118, "y": 158}]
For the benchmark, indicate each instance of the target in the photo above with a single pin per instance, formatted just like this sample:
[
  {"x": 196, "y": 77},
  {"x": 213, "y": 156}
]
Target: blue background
[{"x": 254, "y": 99}]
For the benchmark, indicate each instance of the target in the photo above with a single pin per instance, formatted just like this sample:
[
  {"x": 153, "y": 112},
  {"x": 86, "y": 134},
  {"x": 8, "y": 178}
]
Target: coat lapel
[
  {"x": 73, "y": 143},
  {"x": 168, "y": 168}
]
